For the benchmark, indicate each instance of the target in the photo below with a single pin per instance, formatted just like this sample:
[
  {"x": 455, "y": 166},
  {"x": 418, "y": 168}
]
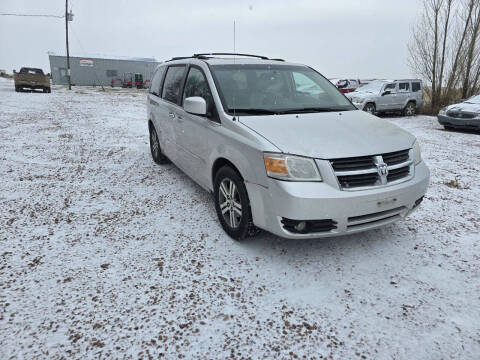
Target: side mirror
[
  {"x": 386, "y": 92},
  {"x": 195, "y": 105},
  {"x": 48, "y": 74}
]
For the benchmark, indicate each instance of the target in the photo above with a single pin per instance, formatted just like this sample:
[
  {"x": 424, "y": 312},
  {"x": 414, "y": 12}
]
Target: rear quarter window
[
  {"x": 157, "y": 79},
  {"x": 172, "y": 83},
  {"x": 416, "y": 86}
]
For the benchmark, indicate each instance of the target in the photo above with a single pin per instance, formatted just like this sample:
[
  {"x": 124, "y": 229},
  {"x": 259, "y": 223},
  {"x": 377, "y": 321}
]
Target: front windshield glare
[{"x": 275, "y": 89}]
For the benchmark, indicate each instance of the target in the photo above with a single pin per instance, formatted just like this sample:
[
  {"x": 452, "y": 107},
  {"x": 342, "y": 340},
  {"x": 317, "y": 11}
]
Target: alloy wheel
[
  {"x": 410, "y": 110},
  {"x": 230, "y": 203},
  {"x": 370, "y": 108}
]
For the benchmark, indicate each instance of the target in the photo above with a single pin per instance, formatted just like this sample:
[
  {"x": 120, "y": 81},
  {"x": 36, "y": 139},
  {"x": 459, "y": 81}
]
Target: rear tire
[
  {"x": 155, "y": 149},
  {"x": 232, "y": 204},
  {"x": 410, "y": 109},
  {"x": 17, "y": 89},
  {"x": 370, "y": 108}
]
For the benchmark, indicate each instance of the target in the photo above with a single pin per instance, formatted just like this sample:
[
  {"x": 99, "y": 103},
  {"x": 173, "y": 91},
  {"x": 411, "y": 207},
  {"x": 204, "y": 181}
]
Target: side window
[
  {"x": 172, "y": 83},
  {"x": 157, "y": 78},
  {"x": 197, "y": 85},
  {"x": 305, "y": 85},
  {"x": 390, "y": 87},
  {"x": 415, "y": 86},
  {"x": 404, "y": 87}
]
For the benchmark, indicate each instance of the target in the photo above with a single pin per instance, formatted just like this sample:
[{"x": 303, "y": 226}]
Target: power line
[{"x": 34, "y": 15}]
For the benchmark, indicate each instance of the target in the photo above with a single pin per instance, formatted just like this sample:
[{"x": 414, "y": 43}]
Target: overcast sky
[{"x": 352, "y": 38}]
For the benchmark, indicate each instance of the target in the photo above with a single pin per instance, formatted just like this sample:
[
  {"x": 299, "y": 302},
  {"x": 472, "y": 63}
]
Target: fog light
[{"x": 301, "y": 226}]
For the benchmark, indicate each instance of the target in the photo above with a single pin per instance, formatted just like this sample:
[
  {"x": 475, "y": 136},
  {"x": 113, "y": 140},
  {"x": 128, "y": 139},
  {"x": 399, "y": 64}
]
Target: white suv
[
  {"x": 389, "y": 96},
  {"x": 281, "y": 148}
]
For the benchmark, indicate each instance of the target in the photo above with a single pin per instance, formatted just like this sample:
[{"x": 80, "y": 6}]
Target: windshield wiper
[
  {"x": 311, "y": 110},
  {"x": 253, "y": 111}
]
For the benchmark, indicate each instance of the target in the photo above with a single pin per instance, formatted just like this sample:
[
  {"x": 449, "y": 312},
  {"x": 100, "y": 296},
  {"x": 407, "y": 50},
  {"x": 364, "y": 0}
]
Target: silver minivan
[{"x": 280, "y": 148}]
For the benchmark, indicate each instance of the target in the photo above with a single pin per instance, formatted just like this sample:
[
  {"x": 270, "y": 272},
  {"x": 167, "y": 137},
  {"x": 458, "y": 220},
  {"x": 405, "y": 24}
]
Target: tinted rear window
[
  {"x": 415, "y": 86},
  {"x": 31, "y": 71},
  {"x": 172, "y": 83}
]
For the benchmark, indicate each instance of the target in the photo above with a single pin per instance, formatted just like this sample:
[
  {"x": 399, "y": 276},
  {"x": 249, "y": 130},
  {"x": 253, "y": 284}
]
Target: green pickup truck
[{"x": 31, "y": 78}]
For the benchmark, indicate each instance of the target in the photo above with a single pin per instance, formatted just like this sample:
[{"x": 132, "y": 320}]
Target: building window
[{"x": 112, "y": 73}]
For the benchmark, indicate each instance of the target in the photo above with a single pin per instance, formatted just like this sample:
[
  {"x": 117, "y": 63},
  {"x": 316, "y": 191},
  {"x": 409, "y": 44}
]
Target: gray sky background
[{"x": 353, "y": 38}]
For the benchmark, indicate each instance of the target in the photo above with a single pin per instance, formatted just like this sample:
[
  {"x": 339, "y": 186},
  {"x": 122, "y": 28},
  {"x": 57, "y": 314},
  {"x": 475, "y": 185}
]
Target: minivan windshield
[
  {"x": 262, "y": 89},
  {"x": 374, "y": 87}
]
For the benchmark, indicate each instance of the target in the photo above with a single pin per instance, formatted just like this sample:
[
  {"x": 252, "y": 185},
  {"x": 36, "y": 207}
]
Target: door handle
[{"x": 171, "y": 114}]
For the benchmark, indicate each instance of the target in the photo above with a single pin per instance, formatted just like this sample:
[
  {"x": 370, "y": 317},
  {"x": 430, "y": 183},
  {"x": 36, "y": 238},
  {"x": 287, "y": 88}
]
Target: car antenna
[{"x": 234, "y": 52}]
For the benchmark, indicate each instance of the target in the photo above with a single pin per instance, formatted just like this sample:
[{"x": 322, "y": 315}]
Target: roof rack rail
[
  {"x": 229, "y": 54},
  {"x": 208, "y": 55},
  {"x": 179, "y": 58}
]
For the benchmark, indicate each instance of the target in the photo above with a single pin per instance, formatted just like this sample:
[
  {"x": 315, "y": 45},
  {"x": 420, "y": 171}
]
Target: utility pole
[{"x": 68, "y": 51}]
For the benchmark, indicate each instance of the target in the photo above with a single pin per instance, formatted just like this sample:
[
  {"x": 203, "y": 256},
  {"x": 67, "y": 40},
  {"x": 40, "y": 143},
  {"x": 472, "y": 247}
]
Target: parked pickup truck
[{"x": 31, "y": 78}]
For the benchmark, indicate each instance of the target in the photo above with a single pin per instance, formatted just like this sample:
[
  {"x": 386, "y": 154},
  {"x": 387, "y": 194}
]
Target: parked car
[
  {"x": 298, "y": 163},
  {"x": 389, "y": 96},
  {"x": 346, "y": 85},
  {"x": 31, "y": 78},
  {"x": 465, "y": 115}
]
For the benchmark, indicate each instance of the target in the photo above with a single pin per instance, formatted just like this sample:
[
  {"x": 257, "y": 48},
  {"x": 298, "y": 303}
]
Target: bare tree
[
  {"x": 463, "y": 23},
  {"x": 445, "y": 50},
  {"x": 472, "y": 48}
]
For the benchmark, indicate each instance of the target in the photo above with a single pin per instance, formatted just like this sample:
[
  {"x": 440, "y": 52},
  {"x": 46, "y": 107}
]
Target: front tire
[
  {"x": 155, "y": 148},
  {"x": 232, "y": 204},
  {"x": 370, "y": 108}
]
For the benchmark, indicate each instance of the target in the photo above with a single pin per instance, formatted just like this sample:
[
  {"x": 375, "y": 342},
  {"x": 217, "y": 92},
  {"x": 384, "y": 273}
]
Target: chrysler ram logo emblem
[{"x": 382, "y": 169}]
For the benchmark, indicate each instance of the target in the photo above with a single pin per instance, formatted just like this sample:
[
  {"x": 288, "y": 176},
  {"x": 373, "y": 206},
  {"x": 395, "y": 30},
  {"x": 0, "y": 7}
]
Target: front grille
[
  {"x": 311, "y": 226},
  {"x": 396, "y": 157},
  {"x": 376, "y": 170},
  {"x": 363, "y": 162},
  {"x": 396, "y": 174},
  {"x": 461, "y": 115},
  {"x": 348, "y": 181}
]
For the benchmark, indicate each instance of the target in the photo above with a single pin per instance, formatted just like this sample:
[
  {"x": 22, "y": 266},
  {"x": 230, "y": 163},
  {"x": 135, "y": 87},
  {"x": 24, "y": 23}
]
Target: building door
[{"x": 62, "y": 75}]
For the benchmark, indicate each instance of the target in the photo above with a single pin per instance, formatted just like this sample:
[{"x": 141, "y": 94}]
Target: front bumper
[
  {"x": 459, "y": 123},
  {"x": 359, "y": 106},
  {"x": 352, "y": 211}
]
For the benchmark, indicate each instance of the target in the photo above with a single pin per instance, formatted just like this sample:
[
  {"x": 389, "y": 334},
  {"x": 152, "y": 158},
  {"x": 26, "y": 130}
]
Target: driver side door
[{"x": 387, "y": 101}]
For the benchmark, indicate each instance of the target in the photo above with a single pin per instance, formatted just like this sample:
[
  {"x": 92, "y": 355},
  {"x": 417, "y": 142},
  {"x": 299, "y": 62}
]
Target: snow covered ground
[{"x": 105, "y": 254}]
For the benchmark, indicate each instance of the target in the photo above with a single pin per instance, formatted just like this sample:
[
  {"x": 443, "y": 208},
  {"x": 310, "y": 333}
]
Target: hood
[
  {"x": 466, "y": 107},
  {"x": 360, "y": 94},
  {"x": 330, "y": 135}
]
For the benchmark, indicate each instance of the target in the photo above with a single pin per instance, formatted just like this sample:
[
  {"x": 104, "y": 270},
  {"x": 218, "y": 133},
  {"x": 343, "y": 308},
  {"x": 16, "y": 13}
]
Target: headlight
[
  {"x": 417, "y": 153},
  {"x": 443, "y": 112},
  {"x": 291, "y": 168}
]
